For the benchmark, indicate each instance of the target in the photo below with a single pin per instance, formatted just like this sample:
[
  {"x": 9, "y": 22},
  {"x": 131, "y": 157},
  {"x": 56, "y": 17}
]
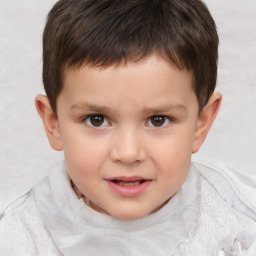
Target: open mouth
[
  {"x": 128, "y": 186},
  {"x": 128, "y": 183}
]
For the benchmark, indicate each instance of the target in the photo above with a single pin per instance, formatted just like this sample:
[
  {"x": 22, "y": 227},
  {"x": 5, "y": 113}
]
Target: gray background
[{"x": 26, "y": 157}]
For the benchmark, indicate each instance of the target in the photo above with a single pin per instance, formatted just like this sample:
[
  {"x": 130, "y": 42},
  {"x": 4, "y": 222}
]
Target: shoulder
[
  {"x": 227, "y": 219},
  {"x": 14, "y": 229},
  {"x": 22, "y": 231},
  {"x": 237, "y": 189}
]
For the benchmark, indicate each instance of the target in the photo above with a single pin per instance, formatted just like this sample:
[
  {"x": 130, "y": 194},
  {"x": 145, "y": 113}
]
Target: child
[{"x": 130, "y": 96}]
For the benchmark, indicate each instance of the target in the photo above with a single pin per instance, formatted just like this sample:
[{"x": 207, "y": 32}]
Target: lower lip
[{"x": 128, "y": 191}]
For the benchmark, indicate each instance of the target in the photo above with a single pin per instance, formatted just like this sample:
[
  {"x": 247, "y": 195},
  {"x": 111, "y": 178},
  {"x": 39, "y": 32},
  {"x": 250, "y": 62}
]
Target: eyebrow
[
  {"x": 145, "y": 110},
  {"x": 164, "y": 108},
  {"x": 91, "y": 107}
]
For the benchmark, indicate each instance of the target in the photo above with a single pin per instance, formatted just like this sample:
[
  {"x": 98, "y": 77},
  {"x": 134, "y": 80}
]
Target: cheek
[
  {"x": 83, "y": 155},
  {"x": 172, "y": 157},
  {"x": 174, "y": 164},
  {"x": 173, "y": 150}
]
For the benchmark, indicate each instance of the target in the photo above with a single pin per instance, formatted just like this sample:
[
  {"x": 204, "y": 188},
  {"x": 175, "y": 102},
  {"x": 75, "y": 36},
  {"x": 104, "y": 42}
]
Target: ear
[
  {"x": 205, "y": 120},
  {"x": 50, "y": 122}
]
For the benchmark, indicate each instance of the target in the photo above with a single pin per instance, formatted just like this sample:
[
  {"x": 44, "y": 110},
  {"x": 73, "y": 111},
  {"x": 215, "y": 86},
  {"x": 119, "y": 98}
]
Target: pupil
[
  {"x": 157, "y": 120},
  {"x": 97, "y": 120}
]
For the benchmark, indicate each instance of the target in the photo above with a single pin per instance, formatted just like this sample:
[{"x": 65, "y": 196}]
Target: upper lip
[{"x": 125, "y": 178}]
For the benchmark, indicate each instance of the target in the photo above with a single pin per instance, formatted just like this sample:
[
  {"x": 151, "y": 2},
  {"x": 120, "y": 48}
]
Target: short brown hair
[{"x": 107, "y": 32}]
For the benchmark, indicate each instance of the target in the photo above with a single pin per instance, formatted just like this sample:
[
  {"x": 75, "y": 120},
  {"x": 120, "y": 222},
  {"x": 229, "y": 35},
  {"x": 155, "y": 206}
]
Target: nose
[{"x": 128, "y": 147}]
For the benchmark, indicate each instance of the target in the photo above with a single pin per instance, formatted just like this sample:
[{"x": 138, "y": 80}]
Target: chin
[{"x": 127, "y": 215}]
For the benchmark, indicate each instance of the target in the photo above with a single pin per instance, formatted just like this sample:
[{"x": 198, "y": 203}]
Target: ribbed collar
[{"x": 79, "y": 230}]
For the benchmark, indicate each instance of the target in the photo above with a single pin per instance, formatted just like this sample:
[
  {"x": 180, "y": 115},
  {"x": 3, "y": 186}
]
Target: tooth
[{"x": 128, "y": 183}]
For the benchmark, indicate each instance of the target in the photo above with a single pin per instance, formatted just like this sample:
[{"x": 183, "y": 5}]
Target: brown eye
[
  {"x": 159, "y": 121},
  {"x": 96, "y": 121}
]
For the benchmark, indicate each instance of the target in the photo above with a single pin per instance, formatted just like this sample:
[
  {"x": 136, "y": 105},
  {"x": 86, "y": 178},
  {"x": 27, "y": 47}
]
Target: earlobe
[
  {"x": 50, "y": 122},
  {"x": 205, "y": 120}
]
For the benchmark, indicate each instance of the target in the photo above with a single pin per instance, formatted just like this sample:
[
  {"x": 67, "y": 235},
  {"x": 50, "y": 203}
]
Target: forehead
[
  {"x": 152, "y": 79},
  {"x": 149, "y": 67}
]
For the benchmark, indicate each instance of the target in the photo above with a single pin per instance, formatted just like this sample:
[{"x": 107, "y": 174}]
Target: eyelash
[{"x": 103, "y": 122}]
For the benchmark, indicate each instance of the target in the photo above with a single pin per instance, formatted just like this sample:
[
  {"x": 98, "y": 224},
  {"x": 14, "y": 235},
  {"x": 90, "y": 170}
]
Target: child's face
[{"x": 128, "y": 134}]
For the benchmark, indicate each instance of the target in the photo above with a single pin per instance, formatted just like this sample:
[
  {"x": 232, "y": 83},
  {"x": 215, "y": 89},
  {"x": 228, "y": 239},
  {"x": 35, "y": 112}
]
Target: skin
[{"x": 128, "y": 142}]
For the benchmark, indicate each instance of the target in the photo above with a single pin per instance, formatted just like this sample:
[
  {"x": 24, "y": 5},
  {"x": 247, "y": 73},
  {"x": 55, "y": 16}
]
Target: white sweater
[{"x": 214, "y": 213}]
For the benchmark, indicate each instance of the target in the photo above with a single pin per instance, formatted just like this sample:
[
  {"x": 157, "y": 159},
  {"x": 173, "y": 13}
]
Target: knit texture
[{"x": 213, "y": 214}]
